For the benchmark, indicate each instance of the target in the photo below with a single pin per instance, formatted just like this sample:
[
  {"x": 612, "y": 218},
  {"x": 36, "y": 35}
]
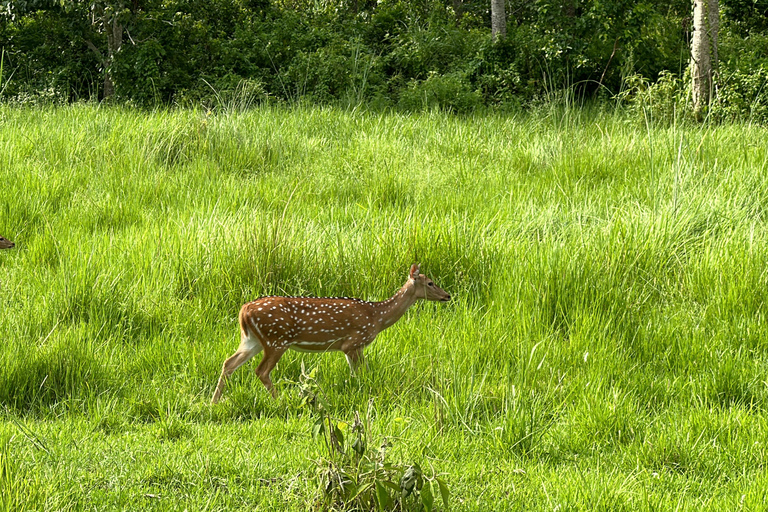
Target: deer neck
[{"x": 389, "y": 311}]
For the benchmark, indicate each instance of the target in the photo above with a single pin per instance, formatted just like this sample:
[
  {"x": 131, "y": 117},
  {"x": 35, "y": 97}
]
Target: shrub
[
  {"x": 742, "y": 96},
  {"x": 662, "y": 101},
  {"x": 509, "y": 70},
  {"x": 451, "y": 92},
  {"x": 356, "y": 476}
]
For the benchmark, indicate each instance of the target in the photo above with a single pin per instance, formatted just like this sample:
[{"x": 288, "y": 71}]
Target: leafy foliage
[
  {"x": 413, "y": 55},
  {"x": 662, "y": 101},
  {"x": 743, "y": 96},
  {"x": 353, "y": 475}
]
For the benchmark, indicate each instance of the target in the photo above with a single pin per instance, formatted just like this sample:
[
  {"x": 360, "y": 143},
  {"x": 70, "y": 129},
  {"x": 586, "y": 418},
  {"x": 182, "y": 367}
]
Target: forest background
[{"x": 384, "y": 54}]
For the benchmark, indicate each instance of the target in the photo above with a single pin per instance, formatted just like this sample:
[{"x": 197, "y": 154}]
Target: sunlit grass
[{"x": 605, "y": 348}]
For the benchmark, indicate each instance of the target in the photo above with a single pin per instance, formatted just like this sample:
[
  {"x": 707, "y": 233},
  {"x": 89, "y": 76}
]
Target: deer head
[{"x": 426, "y": 288}]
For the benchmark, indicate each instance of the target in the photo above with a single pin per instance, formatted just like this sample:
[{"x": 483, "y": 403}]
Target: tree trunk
[
  {"x": 114, "y": 42},
  {"x": 498, "y": 20},
  {"x": 457, "y": 9},
  {"x": 706, "y": 23}
]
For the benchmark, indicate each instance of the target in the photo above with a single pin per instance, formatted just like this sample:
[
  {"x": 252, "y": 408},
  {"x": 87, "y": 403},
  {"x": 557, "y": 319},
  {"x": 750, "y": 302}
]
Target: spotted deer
[
  {"x": 275, "y": 324},
  {"x": 6, "y": 244}
]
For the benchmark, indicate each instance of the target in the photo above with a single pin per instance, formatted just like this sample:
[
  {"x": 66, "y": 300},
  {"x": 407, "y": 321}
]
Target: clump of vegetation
[
  {"x": 664, "y": 100},
  {"x": 742, "y": 96},
  {"x": 355, "y": 473},
  {"x": 450, "y": 92}
]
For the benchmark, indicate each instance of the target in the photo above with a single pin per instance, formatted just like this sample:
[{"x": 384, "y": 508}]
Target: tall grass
[{"x": 604, "y": 349}]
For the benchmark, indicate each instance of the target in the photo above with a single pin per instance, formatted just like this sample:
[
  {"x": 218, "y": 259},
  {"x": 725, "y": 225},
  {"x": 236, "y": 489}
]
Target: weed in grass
[{"x": 354, "y": 475}]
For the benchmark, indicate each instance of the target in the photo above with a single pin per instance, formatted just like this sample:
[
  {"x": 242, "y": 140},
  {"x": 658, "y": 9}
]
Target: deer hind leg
[
  {"x": 267, "y": 364},
  {"x": 247, "y": 349}
]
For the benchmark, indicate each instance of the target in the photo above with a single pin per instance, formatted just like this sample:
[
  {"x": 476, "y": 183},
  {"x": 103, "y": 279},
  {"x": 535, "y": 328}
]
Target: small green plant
[
  {"x": 664, "y": 100},
  {"x": 451, "y": 92},
  {"x": 354, "y": 476},
  {"x": 742, "y": 96}
]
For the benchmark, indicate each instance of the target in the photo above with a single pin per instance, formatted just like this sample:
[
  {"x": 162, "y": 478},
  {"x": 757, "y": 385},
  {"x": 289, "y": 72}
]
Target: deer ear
[{"x": 414, "y": 271}]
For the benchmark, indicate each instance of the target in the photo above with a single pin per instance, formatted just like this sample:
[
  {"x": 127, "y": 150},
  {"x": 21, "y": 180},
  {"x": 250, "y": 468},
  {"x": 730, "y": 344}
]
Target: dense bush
[
  {"x": 743, "y": 96},
  {"x": 741, "y": 85},
  {"x": 46, "y": 58},
  {"x": 421, "y": 54},
  {"x": 450, "y": 92},
  {"x": 661, "y": 101}
]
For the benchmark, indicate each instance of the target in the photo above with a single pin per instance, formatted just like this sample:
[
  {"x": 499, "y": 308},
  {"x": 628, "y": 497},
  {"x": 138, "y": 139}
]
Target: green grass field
[{"x": 605, "y": 348}]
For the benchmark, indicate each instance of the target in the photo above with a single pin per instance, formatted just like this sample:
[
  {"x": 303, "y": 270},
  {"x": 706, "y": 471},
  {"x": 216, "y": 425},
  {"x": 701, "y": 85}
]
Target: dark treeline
[{"x": 406, "y": 54}]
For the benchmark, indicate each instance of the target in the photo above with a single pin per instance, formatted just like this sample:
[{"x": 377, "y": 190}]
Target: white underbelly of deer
[
  {"x": 313, "y": 346},
  {"x": 306, "y": 324}
]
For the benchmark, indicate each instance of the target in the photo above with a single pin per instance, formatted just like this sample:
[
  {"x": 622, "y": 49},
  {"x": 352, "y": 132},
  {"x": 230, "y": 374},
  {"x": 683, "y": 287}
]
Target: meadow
[{"x": 605, "y": 348}]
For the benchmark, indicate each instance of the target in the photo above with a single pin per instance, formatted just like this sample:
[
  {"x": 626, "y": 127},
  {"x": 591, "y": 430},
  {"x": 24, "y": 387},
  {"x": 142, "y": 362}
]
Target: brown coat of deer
[
  {"x": 275, "y": 324},
  {"x": 5, "y": 244}
]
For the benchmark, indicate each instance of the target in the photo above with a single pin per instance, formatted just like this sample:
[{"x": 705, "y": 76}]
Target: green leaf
[
  {"x": 362, "y": 490},
  {"x": 411, "y": 479},
  {"x": 348, "y": 486},
  {"x": 382, "y": 497},
  {"x": 339, "y": 436},
  {"x": 359, "y": 445},
  {"x": 443, "y": 491},
  {"x": 426, "y": 497},
  {"x": 321, "y": 403},
  {"x": 318, "y": 428},
  {"x": 391, "y": 485}
]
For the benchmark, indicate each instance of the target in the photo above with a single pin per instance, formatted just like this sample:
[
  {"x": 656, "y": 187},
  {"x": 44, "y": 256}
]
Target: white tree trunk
[
  {"x": 498, "y": 20},
  {"x": 706, "y": 24}
]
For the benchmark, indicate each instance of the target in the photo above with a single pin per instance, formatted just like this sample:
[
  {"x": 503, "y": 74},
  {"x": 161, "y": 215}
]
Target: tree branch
[
  {"x": 95, "y": 50},
  {"x": 615, "y": 46}
]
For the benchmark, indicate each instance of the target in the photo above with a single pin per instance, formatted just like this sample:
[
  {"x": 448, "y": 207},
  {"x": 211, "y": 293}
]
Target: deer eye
[{"x": 431, "y": 284}]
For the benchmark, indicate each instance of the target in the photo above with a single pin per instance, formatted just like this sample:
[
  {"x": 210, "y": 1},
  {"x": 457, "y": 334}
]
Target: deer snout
[{"x": 446, "y": 298}]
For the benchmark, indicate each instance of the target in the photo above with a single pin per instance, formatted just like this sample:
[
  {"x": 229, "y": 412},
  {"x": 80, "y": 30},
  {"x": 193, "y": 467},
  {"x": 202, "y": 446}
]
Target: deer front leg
[
  {"x": 353, "y": 348},
  {"x": 267, "y": 364},
  {"x": 355, "y": 358}
]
